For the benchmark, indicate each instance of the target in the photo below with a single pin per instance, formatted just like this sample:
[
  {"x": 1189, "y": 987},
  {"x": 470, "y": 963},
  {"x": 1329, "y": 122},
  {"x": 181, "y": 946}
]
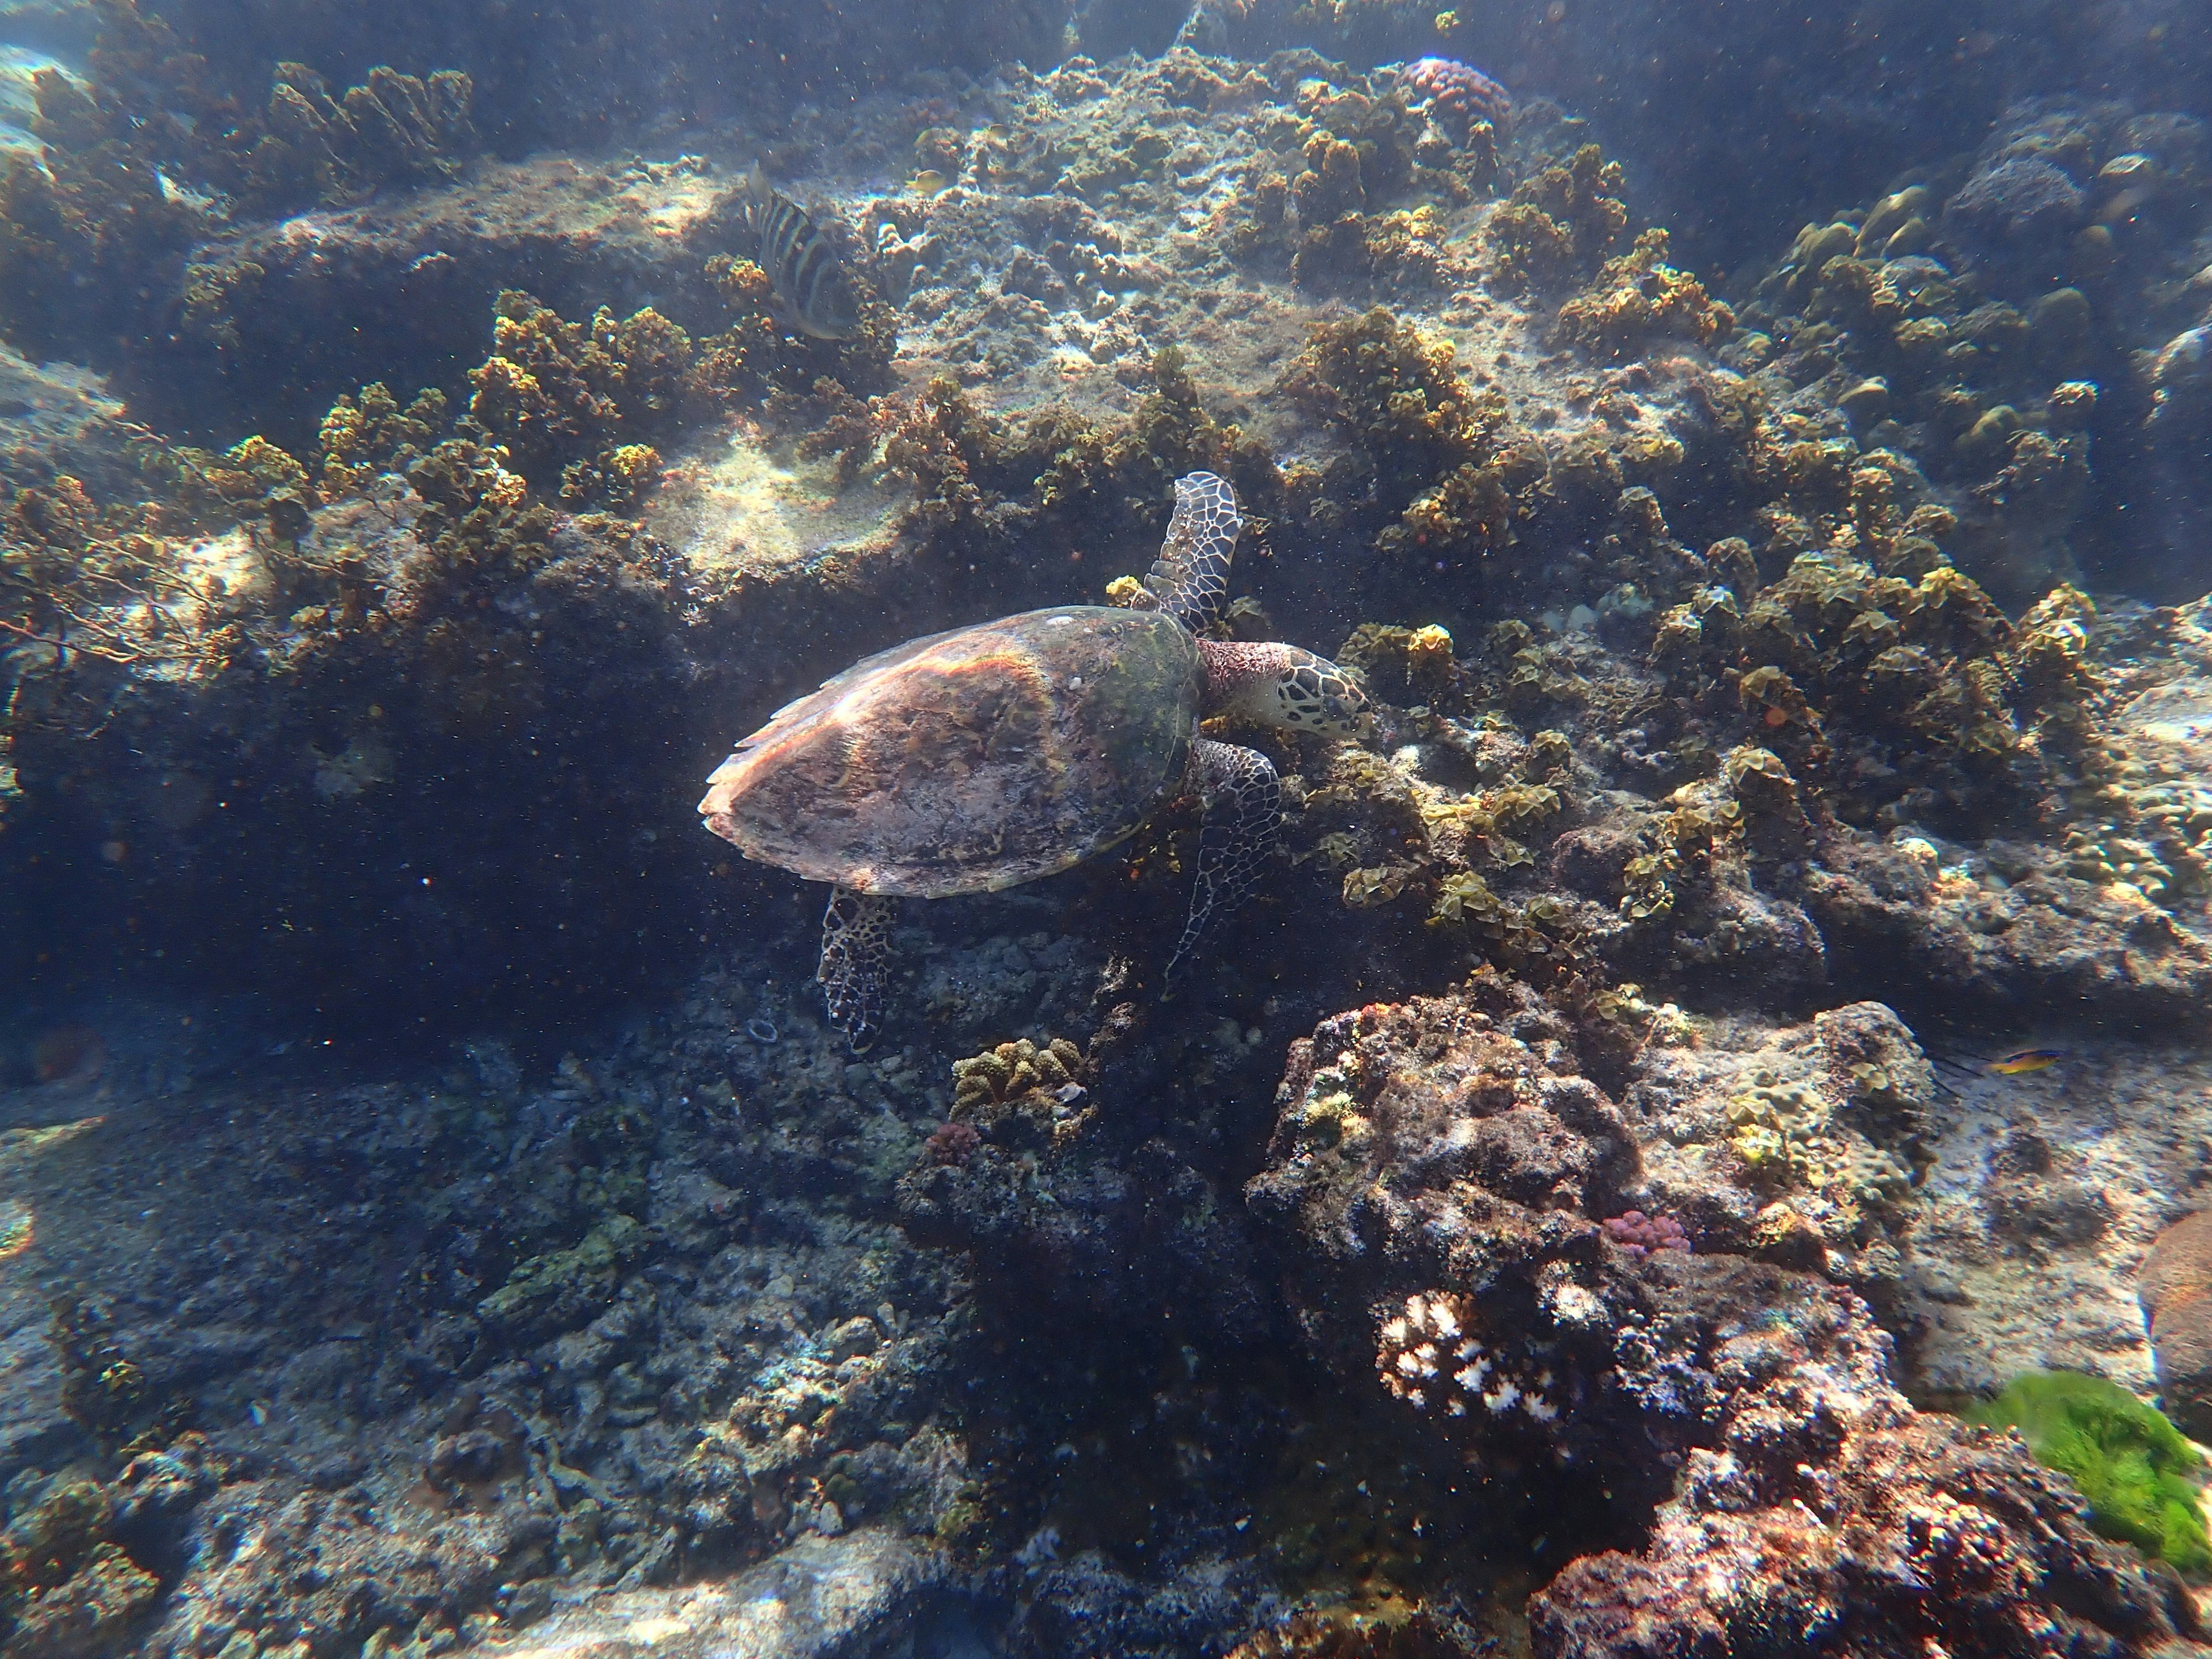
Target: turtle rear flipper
[
  {"x": 1243, "y": 815},
  {"x": 1190, "y": 579},
  {"x": 856, "y": 948}
]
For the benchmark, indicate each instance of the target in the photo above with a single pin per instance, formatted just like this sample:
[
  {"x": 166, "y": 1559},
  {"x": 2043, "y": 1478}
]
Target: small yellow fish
[
  {"x": 929, "y": 182},
  {"x": 2024, "y": 1059},
  {"x": 998, "y": 132}
]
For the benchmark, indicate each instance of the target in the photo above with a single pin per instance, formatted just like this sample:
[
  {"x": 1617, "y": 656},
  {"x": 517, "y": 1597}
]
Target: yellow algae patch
[
  {"x": 15, "y": 1228},
  {"x": 19, "y": 1146}
]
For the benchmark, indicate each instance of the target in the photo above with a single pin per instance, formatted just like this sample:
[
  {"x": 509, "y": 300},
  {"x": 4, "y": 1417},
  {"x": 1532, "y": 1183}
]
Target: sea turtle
[{"x": 978, "y": 759}]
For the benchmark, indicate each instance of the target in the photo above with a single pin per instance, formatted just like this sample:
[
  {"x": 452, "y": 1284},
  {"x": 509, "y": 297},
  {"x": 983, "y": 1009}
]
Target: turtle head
[{"x": 1283, "y": 686}]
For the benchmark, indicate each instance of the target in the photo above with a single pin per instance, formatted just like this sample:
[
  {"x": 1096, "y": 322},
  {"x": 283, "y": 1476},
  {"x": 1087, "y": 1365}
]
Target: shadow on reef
[{"x": 354, "y": 746}]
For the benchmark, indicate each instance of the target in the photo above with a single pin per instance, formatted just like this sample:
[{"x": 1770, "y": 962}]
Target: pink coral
[
  {"x": 1640, "y": 1234},
  {"x": 1459, "y": 93},
  {"x": 952, "y": 1143}
]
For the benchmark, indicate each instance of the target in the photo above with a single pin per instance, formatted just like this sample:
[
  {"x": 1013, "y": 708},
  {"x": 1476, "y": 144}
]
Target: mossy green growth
[
  {"x": 561, "y": 1282},
  {"x": 2130, "y": 1463}
]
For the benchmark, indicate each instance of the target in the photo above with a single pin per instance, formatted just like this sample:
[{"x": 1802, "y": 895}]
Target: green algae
[
  {"x": 541, "y": 1285},
  {"x": 2132, "y": 1465}
]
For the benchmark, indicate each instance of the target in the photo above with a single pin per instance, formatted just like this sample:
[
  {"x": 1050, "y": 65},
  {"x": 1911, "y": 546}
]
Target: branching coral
[
  {"x": 1019, "y": 1095},
  {"x": 1001, "y": 1074}
]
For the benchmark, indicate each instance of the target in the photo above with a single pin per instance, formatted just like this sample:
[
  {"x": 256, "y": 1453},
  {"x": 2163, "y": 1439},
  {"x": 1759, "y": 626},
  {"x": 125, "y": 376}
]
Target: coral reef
[
  {"x": 151, "y": 153},
  {"x": 1461, "y": 93},
  {"x": 368, "y": 1446},
  {"x": 1640, "y": 1234},
  {"x": 69, "y": 1581},
  {"x": 1467, "y": 1153},
  {"x": 1743, "y": 647},
  {"x": 1924, "y": 1534},
  {"x": 84, "y": 226},
  {"x": 1961, "y": 326}
]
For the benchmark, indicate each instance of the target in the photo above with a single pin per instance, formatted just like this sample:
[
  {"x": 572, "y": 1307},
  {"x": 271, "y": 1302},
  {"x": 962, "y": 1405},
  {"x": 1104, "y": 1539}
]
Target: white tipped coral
[{"x": 1429, "y": 1353}]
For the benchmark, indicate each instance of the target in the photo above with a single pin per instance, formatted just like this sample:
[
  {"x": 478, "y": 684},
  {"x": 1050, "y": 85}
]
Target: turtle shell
[{"x": 970, "y": 761}]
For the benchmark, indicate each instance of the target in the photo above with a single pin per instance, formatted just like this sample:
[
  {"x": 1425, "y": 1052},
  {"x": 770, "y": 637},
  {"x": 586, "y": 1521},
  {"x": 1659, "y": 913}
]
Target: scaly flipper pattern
[
  {"x": 1243, "y": 815},
  {"x": 1190, "y": 579},
  {"x": 856, "y": 948}
]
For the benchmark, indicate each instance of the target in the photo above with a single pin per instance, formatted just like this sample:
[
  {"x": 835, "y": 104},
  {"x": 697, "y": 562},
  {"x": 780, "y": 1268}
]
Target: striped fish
[{"x": 802, "y": 265}]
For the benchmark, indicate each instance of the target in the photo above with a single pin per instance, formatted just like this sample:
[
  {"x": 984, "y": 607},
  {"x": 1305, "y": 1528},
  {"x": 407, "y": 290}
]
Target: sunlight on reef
[
  {"x": 739, "y": 511},
  {"x": 823, "y": 1596}
]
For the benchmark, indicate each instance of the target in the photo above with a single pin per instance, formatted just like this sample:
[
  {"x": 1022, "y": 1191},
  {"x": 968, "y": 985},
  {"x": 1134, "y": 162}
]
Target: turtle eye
[{"x": 1344, "y": 708}]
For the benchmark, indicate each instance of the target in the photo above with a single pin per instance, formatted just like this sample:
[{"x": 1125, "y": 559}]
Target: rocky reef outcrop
[{"x": 1439, "y": 1177}]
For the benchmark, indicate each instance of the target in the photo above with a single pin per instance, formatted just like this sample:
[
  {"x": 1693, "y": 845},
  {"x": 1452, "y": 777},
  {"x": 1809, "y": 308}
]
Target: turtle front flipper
[
  {"x": 856, "y": 949},
  {"x": 1243, "y": 815},
  {"x": 1190, "y": 579}
]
